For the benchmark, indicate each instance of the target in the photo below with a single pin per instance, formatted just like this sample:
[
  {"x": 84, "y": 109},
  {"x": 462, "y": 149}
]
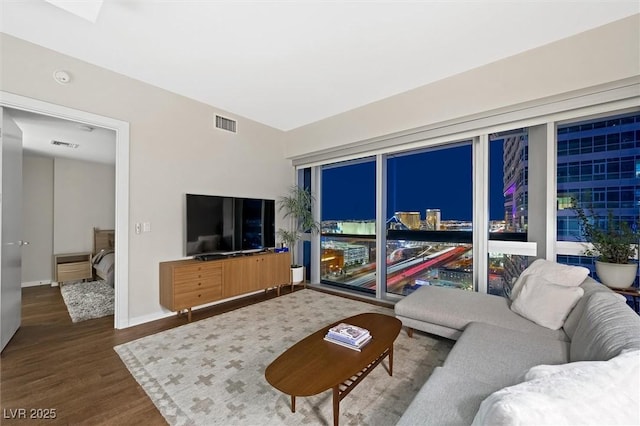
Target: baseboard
[
  {"x": 164, "y": 314},
  {"x": 36, "y": 283},
  {"x": 149, "y": 317}
]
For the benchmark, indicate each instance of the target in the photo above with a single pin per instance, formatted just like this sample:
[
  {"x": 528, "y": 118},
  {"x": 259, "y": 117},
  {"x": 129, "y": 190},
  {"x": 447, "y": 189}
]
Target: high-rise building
[
  {"x": 599, "y": 165},
  {"x": 409, "y": 219},
  {"x": 433, "y": 219},
  {"x": 515, "y": 157}
]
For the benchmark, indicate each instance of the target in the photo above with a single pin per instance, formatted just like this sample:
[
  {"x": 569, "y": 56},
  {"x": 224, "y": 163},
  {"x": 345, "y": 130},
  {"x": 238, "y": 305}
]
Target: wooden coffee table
[{"x": 314, "y": 365}]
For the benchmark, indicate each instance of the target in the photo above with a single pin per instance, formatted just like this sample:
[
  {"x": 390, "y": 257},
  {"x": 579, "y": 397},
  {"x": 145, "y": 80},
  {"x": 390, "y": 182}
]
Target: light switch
[
  {"x": 146, "y": 227},
  {"x": 138, "y": 228}
]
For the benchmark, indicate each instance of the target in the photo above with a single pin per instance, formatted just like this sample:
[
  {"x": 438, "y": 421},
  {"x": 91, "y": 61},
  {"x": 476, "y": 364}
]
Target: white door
[{"x": 11, "y": 231}]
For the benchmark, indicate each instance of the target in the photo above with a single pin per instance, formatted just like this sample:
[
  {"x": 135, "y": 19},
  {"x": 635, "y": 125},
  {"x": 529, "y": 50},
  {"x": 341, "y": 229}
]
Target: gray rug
[
  {"x": 212, "y": 371},
  {"x": 88, "y": 300}
]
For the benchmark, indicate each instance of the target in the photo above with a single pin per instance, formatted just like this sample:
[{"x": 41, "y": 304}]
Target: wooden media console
[{"x": 188, "y": 283}]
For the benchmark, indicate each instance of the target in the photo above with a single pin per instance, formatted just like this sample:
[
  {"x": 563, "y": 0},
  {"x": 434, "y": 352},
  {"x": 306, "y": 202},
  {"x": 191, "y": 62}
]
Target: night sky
[{"x": 433, "y": 179}]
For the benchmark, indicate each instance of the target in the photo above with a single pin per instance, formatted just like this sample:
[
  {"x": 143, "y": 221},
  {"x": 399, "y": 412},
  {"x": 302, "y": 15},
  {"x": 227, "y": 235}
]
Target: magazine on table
[
  {"x": 347, "y": 345},
  {"x": 348, "y": 340},
  {"x": 348, "y": 333}
]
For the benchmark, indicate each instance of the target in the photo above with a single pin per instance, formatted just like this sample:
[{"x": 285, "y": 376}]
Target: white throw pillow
[
  {"x": 557, "y": 273},
  {"x": 545, "y": 303},
  {"x": 585, "y": 393}
]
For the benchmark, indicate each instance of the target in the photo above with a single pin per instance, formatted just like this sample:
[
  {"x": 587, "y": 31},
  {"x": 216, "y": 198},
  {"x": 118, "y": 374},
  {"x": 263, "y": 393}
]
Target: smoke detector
[{"x": 61, "y": 76}]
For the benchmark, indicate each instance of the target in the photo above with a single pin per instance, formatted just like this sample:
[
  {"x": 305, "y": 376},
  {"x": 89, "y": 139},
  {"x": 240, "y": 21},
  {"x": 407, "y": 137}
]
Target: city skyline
[{"x": 356, "y": 198}]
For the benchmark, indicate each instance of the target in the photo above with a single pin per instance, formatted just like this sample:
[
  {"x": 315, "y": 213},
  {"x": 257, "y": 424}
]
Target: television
[{"x": 220, "y": 225}]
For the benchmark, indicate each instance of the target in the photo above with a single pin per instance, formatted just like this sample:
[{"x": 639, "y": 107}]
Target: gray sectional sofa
[{"x": 496, "y": 347}]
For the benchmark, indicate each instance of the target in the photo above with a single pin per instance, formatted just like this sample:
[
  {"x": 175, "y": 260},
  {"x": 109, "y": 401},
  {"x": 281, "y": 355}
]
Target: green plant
[
  {"x": 614, "y": 243},
  {"x": 296, "y": 207}
]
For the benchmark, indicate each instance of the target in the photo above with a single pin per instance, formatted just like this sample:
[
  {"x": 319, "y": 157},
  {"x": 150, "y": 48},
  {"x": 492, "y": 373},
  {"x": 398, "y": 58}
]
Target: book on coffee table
[
  {"x": 347, "y": 333},
  {"x": 357, "y": 347}
]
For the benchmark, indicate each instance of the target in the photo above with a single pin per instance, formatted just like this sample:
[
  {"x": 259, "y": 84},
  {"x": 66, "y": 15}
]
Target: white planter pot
[
  {"x": 616, "y": 275},
  {"x": 297, "y": 275}
]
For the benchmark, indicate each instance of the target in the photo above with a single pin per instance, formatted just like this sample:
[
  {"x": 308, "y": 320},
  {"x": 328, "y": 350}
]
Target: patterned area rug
[
  {"x": 212, "y": 371},
  {"x": 88, "y": 300}
]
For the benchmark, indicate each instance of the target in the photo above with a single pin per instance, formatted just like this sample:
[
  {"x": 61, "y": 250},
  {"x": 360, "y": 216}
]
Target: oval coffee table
[{"x": 314, "y": 365}]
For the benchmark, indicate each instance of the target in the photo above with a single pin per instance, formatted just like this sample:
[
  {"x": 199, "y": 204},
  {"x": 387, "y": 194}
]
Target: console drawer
[{"x": 197, "y": 297}]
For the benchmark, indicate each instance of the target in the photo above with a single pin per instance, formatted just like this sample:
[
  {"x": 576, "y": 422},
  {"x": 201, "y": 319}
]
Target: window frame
[{"x": 594, "y": 103}]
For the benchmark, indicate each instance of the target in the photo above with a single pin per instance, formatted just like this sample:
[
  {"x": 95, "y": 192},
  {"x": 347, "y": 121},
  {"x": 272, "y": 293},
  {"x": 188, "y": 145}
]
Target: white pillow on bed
[{"x": 98, "y": 256}]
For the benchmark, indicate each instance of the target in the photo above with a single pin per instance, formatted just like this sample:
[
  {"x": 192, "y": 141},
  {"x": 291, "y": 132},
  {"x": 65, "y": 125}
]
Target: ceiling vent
[
  {"x": 65, "y": 144},
  {"x": 225, "y": 124}
]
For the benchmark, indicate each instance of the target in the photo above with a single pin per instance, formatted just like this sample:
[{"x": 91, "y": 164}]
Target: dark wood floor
[{"x": 52, "y": 363}]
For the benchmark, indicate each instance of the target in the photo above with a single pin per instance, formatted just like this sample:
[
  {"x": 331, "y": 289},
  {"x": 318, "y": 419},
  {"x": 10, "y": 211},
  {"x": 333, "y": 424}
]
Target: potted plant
[
  {"x": 613, "y": 246},
  {"x": 296, "y": 207}
]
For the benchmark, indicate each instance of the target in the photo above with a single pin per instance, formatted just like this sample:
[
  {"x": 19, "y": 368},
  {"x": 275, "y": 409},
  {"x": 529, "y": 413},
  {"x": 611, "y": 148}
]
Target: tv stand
[{"x": 192, "y": 282}]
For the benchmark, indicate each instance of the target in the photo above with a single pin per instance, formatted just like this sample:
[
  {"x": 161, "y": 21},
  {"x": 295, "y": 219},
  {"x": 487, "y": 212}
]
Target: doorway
[{"x": 121, "y": 129}]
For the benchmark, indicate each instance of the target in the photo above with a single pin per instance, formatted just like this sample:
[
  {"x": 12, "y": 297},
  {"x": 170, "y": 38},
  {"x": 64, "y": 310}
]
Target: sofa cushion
[
  {"x": 595, "y": 393},
  {"x": 545, "y": 303},
  {"x": 500, "y": 356},
  {"x": 449, "y": 397},
  {"x": 590, "y": 286},
  {"x": 607, "y": 327},
  {"x": 557, "y": 273},
  {"x": 455, "y": 309}
]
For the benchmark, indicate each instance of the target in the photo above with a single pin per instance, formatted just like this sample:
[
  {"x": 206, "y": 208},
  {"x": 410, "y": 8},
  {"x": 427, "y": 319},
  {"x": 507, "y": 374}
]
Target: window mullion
[
  {"x": 381, "y": 225},
  {"x": 480, "y": 212}
]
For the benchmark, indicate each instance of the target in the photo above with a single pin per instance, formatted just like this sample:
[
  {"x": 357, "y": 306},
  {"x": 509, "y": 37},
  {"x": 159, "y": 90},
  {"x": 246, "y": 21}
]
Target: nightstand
[{"x": 72, "y": 266}]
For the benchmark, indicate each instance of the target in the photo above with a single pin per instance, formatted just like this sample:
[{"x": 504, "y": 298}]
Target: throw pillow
[
  {"x": 587, "y": 393},
  {"x": 545, "y": 303},
  {"x": 566, "y": 275}
]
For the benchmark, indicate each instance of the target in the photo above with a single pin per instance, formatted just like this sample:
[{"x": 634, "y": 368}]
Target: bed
[{"x": 103, "y": 260}]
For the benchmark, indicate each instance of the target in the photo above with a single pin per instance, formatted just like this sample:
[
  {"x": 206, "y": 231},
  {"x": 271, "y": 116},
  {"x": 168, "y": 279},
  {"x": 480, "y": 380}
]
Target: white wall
[
  {"x": 84, "y": 198},
  {"x": 37, "y": 208},
  {"x": 174, "y": 149},
  {"x": 62, "y": 201},
  {"x": 601, "y": 55}
]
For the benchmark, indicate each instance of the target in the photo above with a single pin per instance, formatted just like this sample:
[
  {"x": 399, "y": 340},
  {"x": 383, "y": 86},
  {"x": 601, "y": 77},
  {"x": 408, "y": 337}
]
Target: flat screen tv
[{"x": 228, "y": 225}]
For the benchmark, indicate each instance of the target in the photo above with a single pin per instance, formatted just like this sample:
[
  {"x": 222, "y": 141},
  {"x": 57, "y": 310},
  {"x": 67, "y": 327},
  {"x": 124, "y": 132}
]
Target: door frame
[{"x": 121, "y": 128}]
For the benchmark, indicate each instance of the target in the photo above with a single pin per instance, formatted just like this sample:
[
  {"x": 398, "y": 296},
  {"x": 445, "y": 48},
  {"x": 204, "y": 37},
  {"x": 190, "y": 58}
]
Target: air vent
[
  {"x": 65, "y": 144},
  {"x": 225, "y": 124}
]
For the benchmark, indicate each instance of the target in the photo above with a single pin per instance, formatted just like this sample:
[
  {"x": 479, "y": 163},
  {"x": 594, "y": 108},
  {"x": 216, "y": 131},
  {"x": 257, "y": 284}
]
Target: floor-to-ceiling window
[
  {"x": 348, "y": 237},
  {"x": 510, "y": 181},
  {"x": 429, "y": 218},
  {"x": 598, "y": 165}
]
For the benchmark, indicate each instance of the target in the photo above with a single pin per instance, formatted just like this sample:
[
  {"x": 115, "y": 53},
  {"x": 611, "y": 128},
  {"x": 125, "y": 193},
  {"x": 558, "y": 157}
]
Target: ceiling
[
  {"x": 95, "y": 144},
  {"x": 290, "y": 63}
]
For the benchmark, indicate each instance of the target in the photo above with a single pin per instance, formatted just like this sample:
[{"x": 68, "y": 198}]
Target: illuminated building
[
  {"x": 433, "y": 219},
  {"x": 409, "y": 219}
]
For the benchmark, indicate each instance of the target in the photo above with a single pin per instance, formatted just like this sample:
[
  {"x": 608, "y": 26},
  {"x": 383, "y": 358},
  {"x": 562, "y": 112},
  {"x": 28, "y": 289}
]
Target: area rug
[
  {"x": 88, "y": 300},
  {"x": 212, "y": 371}
]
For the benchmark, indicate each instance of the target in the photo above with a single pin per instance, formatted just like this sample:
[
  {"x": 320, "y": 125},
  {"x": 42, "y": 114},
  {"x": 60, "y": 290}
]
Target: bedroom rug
[
  {"x": 88, "y": 300},
  {"x": 212, "y": 371}
]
